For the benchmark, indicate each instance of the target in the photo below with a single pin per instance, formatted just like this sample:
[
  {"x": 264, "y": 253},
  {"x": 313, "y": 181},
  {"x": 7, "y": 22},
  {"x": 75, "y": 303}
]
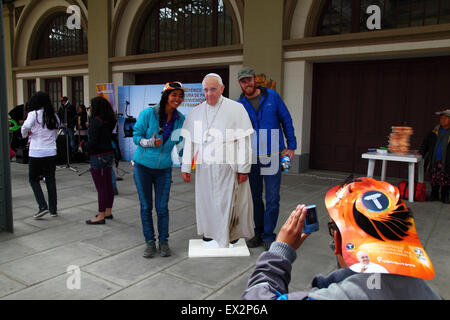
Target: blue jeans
[
  {"x": 113, "y": 176},
  {"x": 265, "y": 218},
  {"x": 145, "y": 179},
  {"x": 101, "y": 161}
]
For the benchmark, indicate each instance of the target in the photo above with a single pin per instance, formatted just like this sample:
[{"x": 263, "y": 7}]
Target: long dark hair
[
  {"x": 83, "y": 109},
  {"x": 41, "y": 100},
  {"x": 162, "y": 108},
  {"x": 100, "y": 107}
]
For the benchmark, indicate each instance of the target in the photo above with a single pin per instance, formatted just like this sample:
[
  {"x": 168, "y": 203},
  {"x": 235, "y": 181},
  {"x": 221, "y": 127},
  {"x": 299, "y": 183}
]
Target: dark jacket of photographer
[{"x": 272, "y": 274}]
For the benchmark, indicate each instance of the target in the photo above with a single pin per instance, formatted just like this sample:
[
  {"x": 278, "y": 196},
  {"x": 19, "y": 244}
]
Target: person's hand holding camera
[{"x": 291, "y": 232}]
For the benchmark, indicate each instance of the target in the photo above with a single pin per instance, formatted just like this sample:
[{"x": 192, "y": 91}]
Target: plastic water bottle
[{"x": 286, "y": 163}]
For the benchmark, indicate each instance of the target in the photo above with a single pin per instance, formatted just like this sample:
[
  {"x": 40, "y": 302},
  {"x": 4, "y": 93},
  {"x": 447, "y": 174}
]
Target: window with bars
[
  {"x": 56, "y": 40},
  {"x": 349, "y": 16},
  {"x": 182, "y": 24},
  {"x": 77, "y": 91},
  {"x": 53, "y": 88}
]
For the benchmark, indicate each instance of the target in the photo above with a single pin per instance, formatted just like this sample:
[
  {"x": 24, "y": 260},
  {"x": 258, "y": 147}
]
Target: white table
[{"x": 411, "y": 159}]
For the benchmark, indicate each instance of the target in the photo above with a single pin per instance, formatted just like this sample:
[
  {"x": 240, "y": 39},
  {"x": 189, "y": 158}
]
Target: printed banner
[
  {"x": 133, "y": 99},
  {"x": 106, "y": 90}
]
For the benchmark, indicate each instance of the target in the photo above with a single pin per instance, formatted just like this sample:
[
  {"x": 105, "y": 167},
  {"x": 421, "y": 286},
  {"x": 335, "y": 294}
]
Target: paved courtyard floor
[{"x": 34, "y": 260}]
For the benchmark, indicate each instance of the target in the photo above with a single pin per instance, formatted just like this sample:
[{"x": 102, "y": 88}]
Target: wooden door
[{"x": 355, "y": 104}]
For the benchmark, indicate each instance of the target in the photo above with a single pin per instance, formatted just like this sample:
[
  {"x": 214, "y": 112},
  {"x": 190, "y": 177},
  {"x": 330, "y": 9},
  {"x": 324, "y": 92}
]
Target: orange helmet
[{"x": 375, "y": 224}]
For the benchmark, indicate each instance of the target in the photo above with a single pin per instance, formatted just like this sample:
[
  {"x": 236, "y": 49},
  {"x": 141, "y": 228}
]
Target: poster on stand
[
  {"x": 133, "y": 99},
  {"x": 107, "y": 91}
]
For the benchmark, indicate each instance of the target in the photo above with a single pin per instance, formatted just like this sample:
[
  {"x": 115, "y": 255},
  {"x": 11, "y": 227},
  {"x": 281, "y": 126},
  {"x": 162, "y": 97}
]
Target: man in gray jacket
[{"x": 358, "y": 204}]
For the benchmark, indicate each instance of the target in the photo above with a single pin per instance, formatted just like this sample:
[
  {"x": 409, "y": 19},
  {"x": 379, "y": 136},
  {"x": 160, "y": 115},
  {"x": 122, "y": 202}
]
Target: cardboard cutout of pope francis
[{"x": 217, "y": 147}]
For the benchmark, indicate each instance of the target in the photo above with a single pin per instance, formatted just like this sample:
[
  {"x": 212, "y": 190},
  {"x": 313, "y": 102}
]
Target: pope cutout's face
[
  {"x": 212, "y": 90},
  {"x": 363, "y": 257}
]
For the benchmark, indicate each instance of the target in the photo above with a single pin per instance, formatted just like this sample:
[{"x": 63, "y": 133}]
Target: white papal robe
[{"x": 219, "y": 137}]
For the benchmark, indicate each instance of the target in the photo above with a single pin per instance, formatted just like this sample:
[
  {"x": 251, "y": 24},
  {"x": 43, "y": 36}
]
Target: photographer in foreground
[{"x": 366, "y": 215}]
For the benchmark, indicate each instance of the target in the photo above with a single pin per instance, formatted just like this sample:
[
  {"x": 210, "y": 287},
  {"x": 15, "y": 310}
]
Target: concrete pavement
[{"x": 35, "y": 259}]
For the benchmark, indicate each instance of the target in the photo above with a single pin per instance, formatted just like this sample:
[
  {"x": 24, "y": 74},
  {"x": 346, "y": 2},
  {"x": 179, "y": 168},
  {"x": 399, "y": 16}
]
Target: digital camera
[{"x": 311, "y": 223}]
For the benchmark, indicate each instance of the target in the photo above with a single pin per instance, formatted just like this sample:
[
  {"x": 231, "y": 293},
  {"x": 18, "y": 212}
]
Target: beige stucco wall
[
  {"x": 98, "y": 43},
  {"x": 299, "y": 19},
  {"x": 239, "y": 19},
  {"x": 124, "y": 19},
  {"x": 298, "y": 97},
  {"x": 234, "y": 89},
  {"x": 263, "y": 37}
]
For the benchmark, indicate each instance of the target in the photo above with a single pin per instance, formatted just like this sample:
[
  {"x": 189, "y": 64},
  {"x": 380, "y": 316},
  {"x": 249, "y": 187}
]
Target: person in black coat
[
  {"x": 68, "y": 115},
  {"x": 82, "y": 117},
  {"x": 101, "y": 155},
  {"x": 436, "y": 152}
]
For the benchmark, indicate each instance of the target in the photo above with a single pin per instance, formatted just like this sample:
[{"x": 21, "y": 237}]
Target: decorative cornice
[
  {"x": 236, "y": 49},
  {"x": 55, "y": 63},
  {"x": 435, "y": 32}
]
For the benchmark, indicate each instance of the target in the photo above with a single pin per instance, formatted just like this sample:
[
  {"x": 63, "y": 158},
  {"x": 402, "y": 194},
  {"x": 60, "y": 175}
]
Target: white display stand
[
  {"x": 201, "y": 249},
  {"x": 411, "y": 159}
]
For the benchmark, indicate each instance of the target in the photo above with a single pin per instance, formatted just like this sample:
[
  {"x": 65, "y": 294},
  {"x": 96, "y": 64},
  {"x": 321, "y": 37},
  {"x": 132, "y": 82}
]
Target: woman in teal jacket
[{"x": 155, "y": 134}]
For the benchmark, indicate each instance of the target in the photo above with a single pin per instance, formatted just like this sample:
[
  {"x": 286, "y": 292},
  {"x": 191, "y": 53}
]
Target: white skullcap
[{"x": 215, "y": 75}]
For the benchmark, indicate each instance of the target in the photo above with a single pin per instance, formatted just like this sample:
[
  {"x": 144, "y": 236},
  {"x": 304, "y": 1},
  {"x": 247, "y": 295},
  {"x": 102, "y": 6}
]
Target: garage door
[{"x": 356, "y": 103}]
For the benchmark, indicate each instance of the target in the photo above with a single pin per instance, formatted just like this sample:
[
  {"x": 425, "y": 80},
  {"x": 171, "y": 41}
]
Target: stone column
[
  {"x": 263, "y": 38},
  {"x": 6, "y": 209},
  {"x": 67, "y": 87},
  {"x": 298, "y": 98},
  {"x": 8, "y": 34},
  {"x": 98, "y": 43}
]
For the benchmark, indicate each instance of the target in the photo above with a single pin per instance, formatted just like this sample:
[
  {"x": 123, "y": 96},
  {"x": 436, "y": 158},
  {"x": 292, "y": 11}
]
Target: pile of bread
[{"x": 399, "y": 140}]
